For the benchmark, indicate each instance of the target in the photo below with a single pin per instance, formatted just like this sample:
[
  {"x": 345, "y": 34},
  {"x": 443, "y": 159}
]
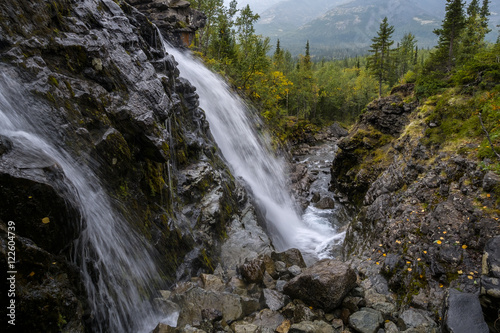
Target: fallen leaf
[
  {"x": 31, "y": 274},
  {"x": 45, "y": 220},
  {"x": 464, "y": 246},
  {"x": 460, "y": 272}
]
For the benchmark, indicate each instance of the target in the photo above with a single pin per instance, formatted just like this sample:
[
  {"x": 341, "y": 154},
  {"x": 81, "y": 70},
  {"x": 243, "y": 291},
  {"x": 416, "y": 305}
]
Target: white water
[
  {"x": 116, "y": 265},
  {"x": 251, "y": 158}
]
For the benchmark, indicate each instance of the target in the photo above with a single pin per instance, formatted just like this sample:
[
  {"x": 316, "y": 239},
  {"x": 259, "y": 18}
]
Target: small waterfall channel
[
  {"x": 251, "y": 158},
  {"x": 116, "y": 264}
]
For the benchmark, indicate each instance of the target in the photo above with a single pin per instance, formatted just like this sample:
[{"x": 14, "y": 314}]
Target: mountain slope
[{"x": 345, "y": 27}]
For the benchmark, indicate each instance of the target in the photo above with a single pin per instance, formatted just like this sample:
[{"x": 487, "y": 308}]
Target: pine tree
[
  {"x": 484, "y": 13},
  {"x": 452, "y": 27},
  {"x": 379, "y": 61},
  {"x": 406, "y": 54},
  {"x": 472, "y": 39}
]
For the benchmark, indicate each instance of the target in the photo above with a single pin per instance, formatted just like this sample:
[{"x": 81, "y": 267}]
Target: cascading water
[
  {"x": 252, "y": 159},
  {"x": 116, "y": 265}
]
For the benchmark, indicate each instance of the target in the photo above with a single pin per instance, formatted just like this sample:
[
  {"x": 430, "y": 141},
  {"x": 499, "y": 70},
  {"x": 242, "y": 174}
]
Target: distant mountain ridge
[{"x": 338, "y": 28}]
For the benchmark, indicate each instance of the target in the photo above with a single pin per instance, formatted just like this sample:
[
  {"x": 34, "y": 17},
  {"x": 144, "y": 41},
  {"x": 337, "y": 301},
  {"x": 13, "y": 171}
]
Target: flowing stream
[
  {"x": 250, "y": 156},
  {"x": 116, "y": 264}
]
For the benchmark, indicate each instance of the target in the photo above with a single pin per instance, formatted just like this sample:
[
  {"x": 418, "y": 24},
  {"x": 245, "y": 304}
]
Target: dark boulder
[{"x": 323, "y": 285}]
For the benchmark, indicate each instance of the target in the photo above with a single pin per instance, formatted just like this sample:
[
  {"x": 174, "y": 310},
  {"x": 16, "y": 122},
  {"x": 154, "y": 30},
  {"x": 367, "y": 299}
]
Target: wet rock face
[
  {"x": 111, "y": 96},
  {"x": 39, "y": 213},
  {"x": 175, "y": 18}
]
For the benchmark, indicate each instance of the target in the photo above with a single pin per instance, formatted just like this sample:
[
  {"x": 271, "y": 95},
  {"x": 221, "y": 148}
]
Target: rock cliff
[
  {"x": 101, "y": 82},
  {"x": 425, "y": 213}
]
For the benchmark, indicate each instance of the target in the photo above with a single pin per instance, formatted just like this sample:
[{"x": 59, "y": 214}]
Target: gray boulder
[
  {"x": 463, "y": 313},
  {"x": 414, "y": 318},
  {"x": 323, "y": 285},
  {"x": 366, "y": 320}
]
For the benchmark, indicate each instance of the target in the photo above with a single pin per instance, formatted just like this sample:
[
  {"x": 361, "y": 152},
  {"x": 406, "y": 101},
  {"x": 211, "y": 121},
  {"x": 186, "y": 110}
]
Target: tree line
[{"x": 292, "y": 94}]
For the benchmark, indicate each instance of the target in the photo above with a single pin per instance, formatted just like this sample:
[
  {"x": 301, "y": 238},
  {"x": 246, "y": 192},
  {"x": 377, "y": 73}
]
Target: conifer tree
[
  {"x": 472, "y": 39},
  {"x": 452, "y": 27},
  {"x": 379, "y": 61},
  {"x": 484, "y": 13}
]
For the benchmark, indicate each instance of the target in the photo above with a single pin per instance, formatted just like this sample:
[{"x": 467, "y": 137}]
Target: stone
[
  {"x": 211, "y": 314},
  {"x": 267, "y": 318},
  {"x": 253, "y": 271},
  {"x": 311, "y": 327},
  {"x": 294, "y": 270},
  {"x": 212, "y": 282},
  {"x": 490, "y": 181},
  {"x": 337, "y": 323},
  {"x": 325, "y": 203},
  {"x": 463, "y": 313},
  {"x": 280, "y": 267},
  {"x": 244, "y": 328},
  {"x": 491, "y": 262},
  {"x": 273, "y": 299},
  {"x": 366, "y": 320},
  {"x": 390, "y": 327},
  {"x": 323, "y": 285},
  {"x": 280, "y": 284},
  {"x": 298, "y": 311},
  {"x": 385, "y": 308},
  {"x": 194, "y": 300},
  {"x": 268, "y": 281},
  {"x": 284, "y": 327},
  {"x": 290, "y": 257},
  {"x": 337, "y": 131},
  {"x": 415, "y": 318}
]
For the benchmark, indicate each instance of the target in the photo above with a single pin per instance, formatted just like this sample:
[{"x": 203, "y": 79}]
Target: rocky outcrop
[
  {"x": 175, "y": 18},
  {"x": 424, "y": 215}
]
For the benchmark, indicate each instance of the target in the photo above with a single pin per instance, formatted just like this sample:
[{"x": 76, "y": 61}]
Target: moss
[
  {"x": 53, "y": 81},
  {"x": 207, "y": 262},
  {"x": 154, "y": 177},
  {"x": 50, "y": 97}
]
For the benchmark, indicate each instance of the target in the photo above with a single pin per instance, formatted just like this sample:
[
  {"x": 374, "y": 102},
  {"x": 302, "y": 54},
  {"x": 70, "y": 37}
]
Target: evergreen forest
[{"x": 296, "y": 95}]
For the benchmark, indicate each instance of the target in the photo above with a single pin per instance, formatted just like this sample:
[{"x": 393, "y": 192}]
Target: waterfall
[
  {"x": 250, "y": 156},
  {"x": 116, "y": 265}
]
